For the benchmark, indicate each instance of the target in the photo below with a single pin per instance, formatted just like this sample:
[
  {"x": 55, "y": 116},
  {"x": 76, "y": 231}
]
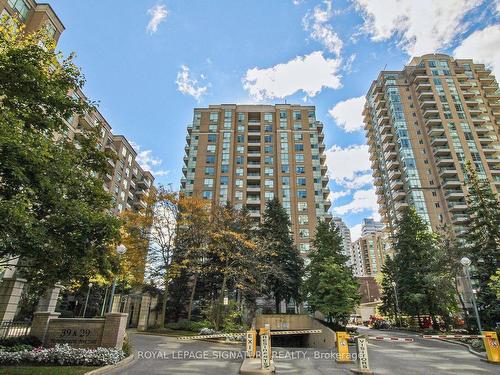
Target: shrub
[
  {"x": 20, "y": 340},
  {"x": 16, "y": 348},
  {"x": 64, "y": 355}
]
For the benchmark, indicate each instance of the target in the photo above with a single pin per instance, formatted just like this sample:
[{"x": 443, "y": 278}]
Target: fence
[{"x": 14, "y": 329}]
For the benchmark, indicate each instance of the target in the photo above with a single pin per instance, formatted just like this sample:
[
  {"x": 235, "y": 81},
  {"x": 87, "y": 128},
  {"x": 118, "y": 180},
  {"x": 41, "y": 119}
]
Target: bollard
[
  {"x": 362, "y": 351},
  {"x": 265, "y": 348},
  {"x": 251, "y": 346},
  {"x": 491, "y": 344},
  {"x": 342, "y": 348}
]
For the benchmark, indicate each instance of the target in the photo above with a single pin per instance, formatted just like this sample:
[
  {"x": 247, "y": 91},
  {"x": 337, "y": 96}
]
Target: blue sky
[{"x": 149, "y": 63}]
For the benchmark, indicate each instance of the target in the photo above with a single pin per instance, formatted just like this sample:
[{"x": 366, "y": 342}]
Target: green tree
[
  {"x": 286, "y": 266},
  {"x": 424, "y": 284},
  {"x": 53, "y": 209},
  {"x": 482, "y": 243},
  {"x": 388, "y": 297},
  {"x": 330, "y": 286}
]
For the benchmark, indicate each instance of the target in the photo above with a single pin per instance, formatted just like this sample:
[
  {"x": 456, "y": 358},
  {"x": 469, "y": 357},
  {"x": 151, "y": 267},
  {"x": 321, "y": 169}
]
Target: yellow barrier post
[
  {"x": 251, "y": 345},
  {"x": 342, "y": 348},
  {"x": 492, "y": 346}
]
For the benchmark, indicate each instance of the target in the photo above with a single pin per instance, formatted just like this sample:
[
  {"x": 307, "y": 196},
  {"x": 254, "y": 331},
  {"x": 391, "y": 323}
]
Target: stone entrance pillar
[
  {"x": 142, "y": 325},
  {"x": 11, "y": 289},
  {"x": 48, "y": 302}
]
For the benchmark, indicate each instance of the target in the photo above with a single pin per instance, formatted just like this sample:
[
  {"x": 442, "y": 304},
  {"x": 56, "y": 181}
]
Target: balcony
[
  {"x": 254, "y": 213},
  {"x": 435, "y": 130},
  {"x": 448, "y": 172},
  {"x": 385, "y": 128},
  {"x": 457, "y": 206},
  {"x": 482, "y": 129},
  {"x": 393, "y": 164},
  {"x": 391, "y": 155},
  {"x": 378, "y": 181},
  {"x": 423, "y": 87},
  {"x": 379, "y": 190},
  {"x": 396, "y": 184},
  {"x": 486, "y": 140},
  {"x": 389, "y": 146},
  {"x": 253, "y": 177},
  {"x": 399, "y": 196},
  {"x": 400, "y": 206},
  {"x": 426, "y": 95},
  {"x": 441, "y": 162},
  {"x": 394, "y": 174},
  {"x": 387, "y": 137},
  {"x": 455, "y": 194},
  {"x": 441, "y": 151},
  {"x": 428, "y": 104},
  {"x": 382, "y": 120},
  {"x": 439, "y": 141},
  {"x": 433, "y": 121},
  {"x": 459, "y": 218},
  {"x": 451, "y": 183},
  {"x": 253, "y": 188},
  {"x": 478, "y": 120},
  {"x": 253, "y": 200},
  {"x": 421, "y": 79},
  {"x": 486, "y": 80},
  {"x": 431, "y": 113}
]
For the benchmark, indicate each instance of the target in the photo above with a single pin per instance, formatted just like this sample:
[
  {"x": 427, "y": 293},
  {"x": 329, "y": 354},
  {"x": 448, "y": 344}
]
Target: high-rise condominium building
[
  {"x": 127, "y": 182},
  {"x": 369, "y": 251},
  {"x": 423, "y": 125},
  {"x": 345, "y": 233},
  {"x": 248, "y": 154}
]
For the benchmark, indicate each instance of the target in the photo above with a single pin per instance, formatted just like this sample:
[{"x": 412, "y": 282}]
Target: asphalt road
[{"x": 167, "y": 355}]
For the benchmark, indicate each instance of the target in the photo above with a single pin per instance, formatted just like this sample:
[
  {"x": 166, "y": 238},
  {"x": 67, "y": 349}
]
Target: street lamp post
[
  {"x": 86, "y": 300},
  {"x": 397, "y": 303},
  {"x": 466, "y": 262},
  {"x": 120, "y": 249}
]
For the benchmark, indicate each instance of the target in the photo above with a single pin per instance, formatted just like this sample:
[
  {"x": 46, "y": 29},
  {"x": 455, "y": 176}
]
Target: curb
[
  {"x": 465, "y": 345},
  {"x": 103, "y": 370}
]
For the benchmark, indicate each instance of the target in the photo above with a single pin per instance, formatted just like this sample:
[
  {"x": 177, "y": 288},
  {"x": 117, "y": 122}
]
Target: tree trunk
[
  {"x": 220, "y": 307},
  {"x": 164, "y": 304},
  {"x": 191, "y": 297},
  {"x": 464, "y": 308},
  {"x": 277, "y": 301}
]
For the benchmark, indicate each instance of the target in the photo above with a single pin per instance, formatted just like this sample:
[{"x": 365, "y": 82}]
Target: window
[
  {"x": 268, "y": 138},
  {"x": 297, "y": 126},
  {"x": 304, "y": 233},
  {"x": 224, "y": 169},
  {"x": 304, "y": 247},
  {"x": 209, "y": 171},
  {"x": 239, "y": 182},
  {"x": 299, "y": 158},
  {"x": 269, "y": 183},
  {"x": 210, "y": 159},
  {"x": 268, "y": 149},
  {"x": 301, "y": 181},
  {"x": 285, "y": 181},
  {"x": 268, "y": 195},
  {"x": 239, "y": 160},
  {"x": 268, "y": 160},
  {"x": 301, "y": 194},
  {"x": 212, "y": 137},
  {"x": 268, "y": 128},
  {"x": 240, "y": 149},
  {"x": 208, "y": 182},
  {"x": 298, "y": 137},
  {"x": 207, "y": 194},
  {"x": 302, "y": 206},
  {"x": 212, "y": 128},
  {"x": 21, "y": 6},
  {"x": 300, "y": 170},
  {"x": 240, "y": 138},
  {"x": 214, "y": 116},
  {"x": 239, "y": 171},
  {"x": 285, "y": 168},
  {"x": 268, "y": 117},
  {"x": 297, "y": 115},
  {"x": 299, "y": 147},
  {"x": 224, "y": 180},
  {"x": 269, "y": 171},
  {"x": 303, "y": 219},
  {"x": 211, "y": 148},
  {"x": 238, "y": 195}
]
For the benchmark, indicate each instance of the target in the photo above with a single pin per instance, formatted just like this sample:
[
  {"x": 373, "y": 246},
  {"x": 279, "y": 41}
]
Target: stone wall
[{"x": 106, "y": 332}]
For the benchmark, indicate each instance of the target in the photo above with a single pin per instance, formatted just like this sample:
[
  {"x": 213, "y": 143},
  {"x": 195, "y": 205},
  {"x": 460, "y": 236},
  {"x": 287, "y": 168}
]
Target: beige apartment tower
[
  {"x": 423, "y": 125},
  {"x": 249, "y": 154}
]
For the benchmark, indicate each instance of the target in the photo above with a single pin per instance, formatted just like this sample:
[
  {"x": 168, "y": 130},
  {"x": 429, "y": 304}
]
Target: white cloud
[
  {"x": 158, "y": 14},
  {"x": 356, "y": 231},
  {"x": 362, "y": 200},
  {"x": 483, "y": 47},
  {"x": 316, "y": 22},
  {"x": 348, "y": 114},
  {"x": 421, "y": 27},
  {"x": 309, "y": 73},
  {"x": 350, "y": 166},
  {"x": 334, "y": 195},
  {"x": 188, "y": 85},
  {"x": 148, "y": 161}
]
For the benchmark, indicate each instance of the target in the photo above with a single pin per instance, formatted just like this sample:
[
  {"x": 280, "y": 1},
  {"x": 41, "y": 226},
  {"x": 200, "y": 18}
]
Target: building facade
[
  {"x": 369, "y": 251},
  {"x": 423, "y": 124},
  {"x": 345, "y": 233},
  {"x": 249, "y": 154},
  {"x": 126, "y": 181}
]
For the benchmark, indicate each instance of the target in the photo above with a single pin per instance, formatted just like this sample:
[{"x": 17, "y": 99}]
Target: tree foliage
[
  {"x": 424, "y": 283},
  {"x": 482, "y": 243},
  {"x": 286, "y": 266},
  {"x": 53, "y": 208},
  {"x": 330, "y": 286}
]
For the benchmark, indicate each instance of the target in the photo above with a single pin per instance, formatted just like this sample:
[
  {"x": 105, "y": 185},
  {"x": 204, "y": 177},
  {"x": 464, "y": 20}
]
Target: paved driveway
[{"x": 167, "y": 355}]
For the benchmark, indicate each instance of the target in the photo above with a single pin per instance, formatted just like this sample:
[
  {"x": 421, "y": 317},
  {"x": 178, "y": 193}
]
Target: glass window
[
  {"x": 21, "y": 6},
  {"x": 268, "y": 138},
  {"x": 301, "y": 181},
  {"x": 303, "y": 219},
  {"x": 212, "y": 137},
  {"x": 239, "y": 171},
  {"x": 304, "y": 233},
  {"x": 302, "y": 206},
  {"x": 210, "y": 159},
  {"x": 208, "y": 182},
  {"x": 268, "y": 117},
  {"x": 269, "y": 195},
  {"x": 297, "y": 115},
  {"x": 300, "y": 169},
  {"x": 224, "y": 180},
  {"x": 285, "y": 168},
  {"x": 238, "y": 195},
  {"x": 269, "y": 171},
  {"x": 224, "y": 169},
  {"x": 209, "y": 171},
  {"x": 207, "y": 194},
  {"x": 299, "y": 147},
  {"x": 299, "y": 158},
  {"x": 211, "y": 148},
  {"x": 239, "y": 182},
  {"x": 269, "y": 183},
  {"x": 214, "y": 116},
  {"x": 301, "y": 194}
]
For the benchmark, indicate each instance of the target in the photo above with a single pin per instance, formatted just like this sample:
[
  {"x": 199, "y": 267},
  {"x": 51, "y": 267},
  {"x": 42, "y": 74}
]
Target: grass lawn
[{"x": 45, "y": 370}]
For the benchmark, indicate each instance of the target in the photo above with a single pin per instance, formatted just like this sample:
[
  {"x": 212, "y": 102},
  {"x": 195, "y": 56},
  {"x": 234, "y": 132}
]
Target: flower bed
[{"x": 64, "y": 355}]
